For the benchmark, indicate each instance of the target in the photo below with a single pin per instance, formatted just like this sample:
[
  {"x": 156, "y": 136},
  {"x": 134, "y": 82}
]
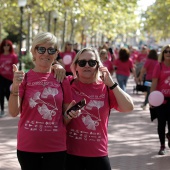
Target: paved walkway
[{"x": 133, "y": 140}]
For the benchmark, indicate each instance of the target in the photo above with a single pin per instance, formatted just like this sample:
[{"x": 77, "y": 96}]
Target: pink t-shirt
[
  {"x": 67, "y": 58},
  {"x": 87, "y": 134},
  {"x": 133, "y": 57},
  {"x": 123, "y": 68},
  {"x": 109, "y": 65},
  {"x": 149, "y": 66},
  {"x": 41, "y": 127},
  {"x": 162, "y": 73},
  {"x": 141, "y": 58},
  {"x": 6, "y": 69}
]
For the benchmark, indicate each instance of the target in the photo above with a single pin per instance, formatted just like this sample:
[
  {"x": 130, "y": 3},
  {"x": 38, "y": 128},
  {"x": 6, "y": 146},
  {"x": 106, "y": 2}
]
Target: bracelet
[
  {"x": 14, "y": 93},
  {"x": 114, "y": 85}
]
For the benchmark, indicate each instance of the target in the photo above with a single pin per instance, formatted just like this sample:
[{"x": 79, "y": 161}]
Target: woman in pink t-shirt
[
  {"x": 67, "y": 56},
  {"x": 104, "y": 59},
  {"x": 161, "y": 82},
  {"x": 146, "y": 72},
  {"x": 87, "y": 138},
  {"x": 7, "y": 58},
  {"x": 41, "y": 100},
  {"x": 123, "y": 66}
]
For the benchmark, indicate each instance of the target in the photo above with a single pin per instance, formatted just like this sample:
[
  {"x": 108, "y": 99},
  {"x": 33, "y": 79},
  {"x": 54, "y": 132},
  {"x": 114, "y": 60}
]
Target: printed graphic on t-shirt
[
  {"x": 91, "y": 117},
  {"x": 42, "y": 105},
  {"x": 90, "y": 120},
  {"x": 6, "y": 65},
  {"x": 45, "y": 108},
  {"x": 41, "y": 126},
  {"x": 84, "y": 135},
  {"x": 67, "y": 59},
  {"x": 167, "y": 81}
]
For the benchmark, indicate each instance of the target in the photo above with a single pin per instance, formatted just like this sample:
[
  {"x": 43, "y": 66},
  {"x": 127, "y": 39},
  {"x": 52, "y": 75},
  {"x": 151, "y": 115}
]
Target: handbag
[
  {"x": 141, "y": 87},
  {"x": 153, "y": 113}
]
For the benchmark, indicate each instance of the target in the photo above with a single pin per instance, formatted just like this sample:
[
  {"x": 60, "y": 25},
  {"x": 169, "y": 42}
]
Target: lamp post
[
  {"x": 55, "y": 21},
  {"x": 21, "y": 4}
]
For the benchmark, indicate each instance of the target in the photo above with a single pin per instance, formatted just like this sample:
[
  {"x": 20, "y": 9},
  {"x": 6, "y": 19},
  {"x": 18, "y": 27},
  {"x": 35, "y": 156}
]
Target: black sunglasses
[
  {"x": 91, "y": 63},
  {"x": 166, "y": 51},
  {"x": 42, "y": 50}
]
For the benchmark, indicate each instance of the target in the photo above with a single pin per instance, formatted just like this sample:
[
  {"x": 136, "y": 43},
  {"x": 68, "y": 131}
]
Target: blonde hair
[
  {"x": 103, "y": 51},
  {"x": 161, "y": 55},
  {"x": 44, "y": 37},
  {"x": 74, "y": 63},
  {"x": 65, "y": 46}
]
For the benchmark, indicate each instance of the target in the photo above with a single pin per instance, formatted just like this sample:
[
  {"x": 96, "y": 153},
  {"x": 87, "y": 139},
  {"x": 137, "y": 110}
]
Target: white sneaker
[{"x": 2, "y": 114}]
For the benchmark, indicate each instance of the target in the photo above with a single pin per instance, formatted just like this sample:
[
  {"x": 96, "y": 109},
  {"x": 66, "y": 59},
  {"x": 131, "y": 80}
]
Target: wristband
[{"x": 114, "y": 85}]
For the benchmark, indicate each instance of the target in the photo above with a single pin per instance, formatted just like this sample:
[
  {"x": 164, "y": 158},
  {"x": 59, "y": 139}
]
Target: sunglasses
[
  {"x": 166, "y": 51},
  {"x": 91, "y": 63},
  {"x": 42, "y": 50}
]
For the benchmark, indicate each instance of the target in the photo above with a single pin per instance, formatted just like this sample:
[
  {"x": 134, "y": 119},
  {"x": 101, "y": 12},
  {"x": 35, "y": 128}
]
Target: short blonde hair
[
  {"x": 44, "y": 37},
  {"x": 74, "y": 63}
]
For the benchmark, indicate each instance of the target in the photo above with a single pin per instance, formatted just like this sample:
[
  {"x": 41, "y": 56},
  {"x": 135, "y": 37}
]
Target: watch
[{"x": 114, "y": 85}]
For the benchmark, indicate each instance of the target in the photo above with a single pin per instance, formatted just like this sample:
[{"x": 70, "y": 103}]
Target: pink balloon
[
  {"x": 67, "y": 59},
  {"x": 156, "y": 98}
]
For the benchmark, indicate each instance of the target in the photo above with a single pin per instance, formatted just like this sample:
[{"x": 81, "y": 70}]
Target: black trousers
[
  {"x": 41, "y": 161},
  {"x": 163, "y": 120},
  {"x": 4, "y": 90},
  {"x": 87, "y": 163}
]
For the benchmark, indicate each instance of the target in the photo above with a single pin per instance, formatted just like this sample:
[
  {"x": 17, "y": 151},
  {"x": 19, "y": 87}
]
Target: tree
[
  {"x": 85, "y": 19},
  {"x": 157, "y": 19}
]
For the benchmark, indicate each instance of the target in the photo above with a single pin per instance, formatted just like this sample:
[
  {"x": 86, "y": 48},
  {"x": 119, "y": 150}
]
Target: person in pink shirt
[
  {"x": 41, "y": 101},
  {"x": 87, "y": 140},
  {"x": 140, "y": 60},
  {"x": 107, "y": 63},
  {"x": 146, "y": 72},
  {"x": 67, "y": 56},
  {"x": 7, "y": 58},
  {"x": 133, "y": 53},
  {"x": 161, "y": 82},
  {"x": 124, "y": 67}
]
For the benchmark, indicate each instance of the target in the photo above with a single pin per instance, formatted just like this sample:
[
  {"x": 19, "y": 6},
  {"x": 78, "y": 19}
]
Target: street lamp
[
  {"x": 21, "y": 4},
  {"x": 55, "y": 21}
]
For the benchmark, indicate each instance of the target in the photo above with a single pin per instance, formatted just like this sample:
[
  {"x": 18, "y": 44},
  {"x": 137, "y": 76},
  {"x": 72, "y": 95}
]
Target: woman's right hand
[{"x": 18, "y": 76}]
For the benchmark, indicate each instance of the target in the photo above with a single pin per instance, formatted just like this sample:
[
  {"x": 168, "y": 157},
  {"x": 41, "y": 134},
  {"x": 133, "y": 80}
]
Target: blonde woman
[
  {"x": 93, "y": 82},
  {"x": 40, "y": 100}
]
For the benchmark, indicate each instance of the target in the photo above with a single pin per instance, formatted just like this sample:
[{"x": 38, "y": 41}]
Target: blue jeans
[{"x": 122, "y": 81}]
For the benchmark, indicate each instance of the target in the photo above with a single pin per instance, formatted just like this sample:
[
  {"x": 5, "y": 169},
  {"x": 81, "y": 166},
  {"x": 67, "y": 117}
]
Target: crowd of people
[{"x": 48, "y": 136}]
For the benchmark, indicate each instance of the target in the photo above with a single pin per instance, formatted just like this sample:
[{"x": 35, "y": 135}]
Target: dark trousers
[
  {"x": 41, "y": 161},
  {"x": 4, "y": 90},
  {"x": 163, "y": 119},
  {"x": 87, "y": 163}
]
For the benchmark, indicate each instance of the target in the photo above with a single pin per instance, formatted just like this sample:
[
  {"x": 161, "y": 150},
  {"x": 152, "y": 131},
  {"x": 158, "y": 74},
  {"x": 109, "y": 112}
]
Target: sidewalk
[{"x": 133, "y": 140}]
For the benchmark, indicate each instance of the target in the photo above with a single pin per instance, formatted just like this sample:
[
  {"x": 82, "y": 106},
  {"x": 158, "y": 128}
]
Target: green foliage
[
  {"x": 27, "y": 60},
  {"x": 105, "y": 17},
  {"x": 157, "y": 19}
]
